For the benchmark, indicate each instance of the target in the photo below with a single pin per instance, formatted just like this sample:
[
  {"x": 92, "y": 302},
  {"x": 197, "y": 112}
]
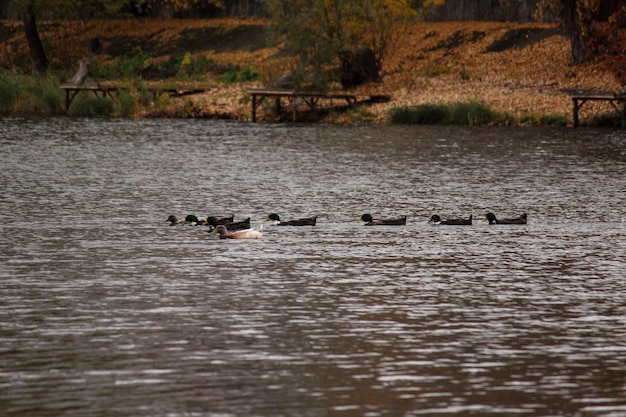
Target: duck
[
  {"x": 491, "y": 218},
  {"x": 214, "y": 221},
  {"x": 254, "y": 233},
  {"x": 173, "y": 220},
  {"x": 275, "y": 218},
  {"x": 369, "y": 221},
  {"x": 191, "y": 220},
  {"x": 240, "y": 225},
  {"x": 435, "y": 219}
]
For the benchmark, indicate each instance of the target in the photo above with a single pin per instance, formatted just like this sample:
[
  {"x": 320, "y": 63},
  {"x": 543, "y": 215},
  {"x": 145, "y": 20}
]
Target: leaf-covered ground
[{"x": 522, "y": 69}]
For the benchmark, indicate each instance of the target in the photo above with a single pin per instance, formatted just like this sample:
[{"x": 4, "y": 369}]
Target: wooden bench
[
  {"x": 311, "y": 98},
  {"x": 618, "y": 101},
  {"x": 72, "y": 90}
]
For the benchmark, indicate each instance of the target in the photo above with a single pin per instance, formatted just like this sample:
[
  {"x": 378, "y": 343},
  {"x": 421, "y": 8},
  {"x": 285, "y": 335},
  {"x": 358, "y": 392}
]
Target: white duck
[{"x": 253, "y": 233}]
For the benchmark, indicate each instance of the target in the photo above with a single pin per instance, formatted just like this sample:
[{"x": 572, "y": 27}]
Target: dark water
[{"x": 107, "y": 311}]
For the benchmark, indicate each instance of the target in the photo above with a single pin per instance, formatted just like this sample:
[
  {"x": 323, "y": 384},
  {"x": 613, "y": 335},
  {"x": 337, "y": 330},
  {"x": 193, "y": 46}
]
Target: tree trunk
[
  {"x": 574, "y": 30},
  {"x": 37, "y": 53}
]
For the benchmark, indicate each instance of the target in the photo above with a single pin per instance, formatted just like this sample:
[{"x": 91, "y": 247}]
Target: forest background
[{"x": 520, "y": 57}]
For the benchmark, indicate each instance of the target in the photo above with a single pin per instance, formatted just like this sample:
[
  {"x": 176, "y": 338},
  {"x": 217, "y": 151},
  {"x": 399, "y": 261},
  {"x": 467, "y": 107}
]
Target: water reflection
[{"x": 106, "y": 310}]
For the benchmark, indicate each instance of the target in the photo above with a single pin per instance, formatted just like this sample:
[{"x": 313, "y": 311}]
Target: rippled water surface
[{"x": 107, "y": 311}]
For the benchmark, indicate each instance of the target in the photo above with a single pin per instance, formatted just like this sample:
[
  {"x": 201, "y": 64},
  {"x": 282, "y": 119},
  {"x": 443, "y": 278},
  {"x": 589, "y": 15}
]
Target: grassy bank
[{"x": 438, "y": 73}]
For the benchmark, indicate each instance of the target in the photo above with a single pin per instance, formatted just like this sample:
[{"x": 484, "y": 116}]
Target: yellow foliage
[
  {"x": 187, "y": 4},
  {"x": 429, "y": 3}
]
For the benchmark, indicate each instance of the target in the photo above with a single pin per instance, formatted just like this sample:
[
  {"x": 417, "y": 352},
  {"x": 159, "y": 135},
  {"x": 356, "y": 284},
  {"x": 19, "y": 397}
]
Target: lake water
[{"x": 105, "y": 310}]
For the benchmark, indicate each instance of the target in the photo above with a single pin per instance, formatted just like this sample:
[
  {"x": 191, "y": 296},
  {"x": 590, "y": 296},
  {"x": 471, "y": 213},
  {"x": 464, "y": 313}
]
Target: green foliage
[
  {"x": 125, "y": 105},
  {"x": 24, "y": 94},
  {"x": 87, "y": 105},
  {"x": 197, "y": 66},
  {"x": 125, "y": 67},
  {"x": 234, "y": 74},
  {"x": 318, "y": 32},
  {"x": 470, "y": 113},
  {"x": 537, "y": 119},
  {"x": 10, "y": 91},
  {"x": 425, "y": 114}
]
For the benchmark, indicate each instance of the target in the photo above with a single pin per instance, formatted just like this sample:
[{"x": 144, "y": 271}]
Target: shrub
[
  {"x": 198, "y": 66},
  {"x": 10, "y": 91},
  {"x": 472, "y": 113},
  {"x": 538, "y": 119},
  {"x": 47, "y": 95},
  {"x": 423, "y": 114},
  {"x": 87, "y": 105},
  {"x": 125, "y": 104},
  {"x": 236, "y": 74}
]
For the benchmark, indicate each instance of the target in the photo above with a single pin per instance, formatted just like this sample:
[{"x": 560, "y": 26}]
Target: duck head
[{"x": 366, "y": 218}]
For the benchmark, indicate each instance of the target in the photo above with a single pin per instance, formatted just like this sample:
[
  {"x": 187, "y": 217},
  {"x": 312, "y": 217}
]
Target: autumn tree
[
  {"x": 581, "y": 20},
  {"x": 352, "y": 36},
  {"x": 31, "y": 11}
]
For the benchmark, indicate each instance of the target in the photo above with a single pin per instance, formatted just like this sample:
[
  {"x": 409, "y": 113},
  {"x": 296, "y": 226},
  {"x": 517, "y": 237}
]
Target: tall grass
[
  {"x": 24, "y": 94},
  {"x": 469, "y": 113}
]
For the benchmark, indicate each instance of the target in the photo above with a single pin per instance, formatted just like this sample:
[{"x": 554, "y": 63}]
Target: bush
[
  {"x": 424, "y": 114},
  {"x": 48, "y": 96},
  {"x": 472, "y": 113},
  {"x": 24, "y": 94},
  {"x": 125, "y": 67},
  {"x": 125, "y": 103},
  {"x": 538, "y": 119},
  {"x": 195, "y": 66},
  {"x": 10, "y": 91},
  {"x": 88, "y": 106},
  {"x": 236, "y": 74}
]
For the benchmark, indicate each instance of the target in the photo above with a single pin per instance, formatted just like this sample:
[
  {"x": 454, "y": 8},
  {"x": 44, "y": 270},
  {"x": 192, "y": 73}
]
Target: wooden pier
[
  {"x": 72, "y": 90},
  {"x": 311, "y": 99},
  {"x": 618, "y": 101}
]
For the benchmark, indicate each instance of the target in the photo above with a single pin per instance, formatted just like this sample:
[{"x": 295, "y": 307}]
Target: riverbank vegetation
[{"x": 434, "y": 72}]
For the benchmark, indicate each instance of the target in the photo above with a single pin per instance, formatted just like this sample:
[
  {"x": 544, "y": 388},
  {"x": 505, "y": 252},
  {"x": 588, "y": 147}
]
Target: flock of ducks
[{"x": 228, "y": 228}]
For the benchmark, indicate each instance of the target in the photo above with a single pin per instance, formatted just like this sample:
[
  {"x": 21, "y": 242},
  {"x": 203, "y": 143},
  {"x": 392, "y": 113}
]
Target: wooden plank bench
[
  {"x": 618, "y": 101},
  {"x": 311, "y": 98},
  {"x": 72, "y": 90}
]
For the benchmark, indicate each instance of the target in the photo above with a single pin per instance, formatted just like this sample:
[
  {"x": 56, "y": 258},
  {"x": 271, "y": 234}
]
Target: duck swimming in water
[
  {"x": 230, "y": 225},
  {"x": 491, "y": 218},
  {"x": 192, "y": 220},
  {"x": 173, "y": 220},
  {"x": 370, "y": 221},
  {"x": 275, "y": 218},
  {"x": 254, "y": 233},
  {"x": 435, "y": 219}
]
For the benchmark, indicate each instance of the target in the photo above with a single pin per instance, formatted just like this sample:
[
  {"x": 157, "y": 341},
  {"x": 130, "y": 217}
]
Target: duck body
[
  {"x": 173, "y": 220},
  {"x": 492, "y": 219},
  {"x": 370, "y": 221},
  {"x": 435, "y": 219},
  {"x": 228, "y": 222},
  {"x": 192, "y": 220},
  {"x": 224, "y": 233},
  {"x": 275, "y": 219},
  {"x": 214, "y": 221}
]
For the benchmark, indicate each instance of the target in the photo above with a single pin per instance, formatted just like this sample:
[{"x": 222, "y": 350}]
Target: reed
[
  {"x": 467, "y": 113},
  {"x": 26, "y": 94}
]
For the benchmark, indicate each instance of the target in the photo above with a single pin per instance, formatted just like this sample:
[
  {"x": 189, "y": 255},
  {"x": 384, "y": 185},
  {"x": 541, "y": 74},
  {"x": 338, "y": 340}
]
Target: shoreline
[{"x": 432, "y": 63}]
